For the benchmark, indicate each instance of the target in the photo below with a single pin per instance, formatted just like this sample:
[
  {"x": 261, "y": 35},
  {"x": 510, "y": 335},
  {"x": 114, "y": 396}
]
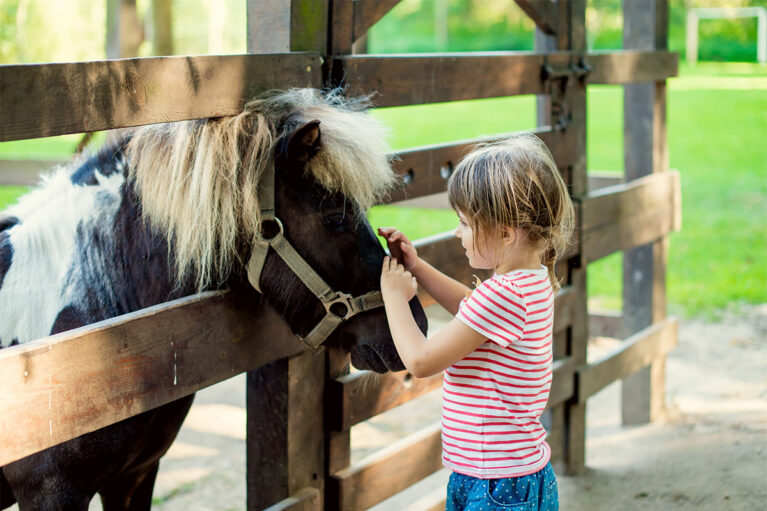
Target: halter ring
[{"x": 280, "y": 232}]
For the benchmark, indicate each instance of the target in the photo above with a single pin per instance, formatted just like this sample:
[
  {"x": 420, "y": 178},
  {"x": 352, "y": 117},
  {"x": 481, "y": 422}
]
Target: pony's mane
[{"x": 197, "y": 181}]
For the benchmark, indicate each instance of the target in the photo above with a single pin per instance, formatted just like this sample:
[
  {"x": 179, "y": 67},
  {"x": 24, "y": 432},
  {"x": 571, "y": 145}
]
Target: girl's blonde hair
[{"x": 515, "y": 183}]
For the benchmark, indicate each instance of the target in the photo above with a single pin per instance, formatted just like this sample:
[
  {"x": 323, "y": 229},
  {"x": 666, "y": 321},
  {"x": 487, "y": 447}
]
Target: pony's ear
[{"x": 304, "y": 142}]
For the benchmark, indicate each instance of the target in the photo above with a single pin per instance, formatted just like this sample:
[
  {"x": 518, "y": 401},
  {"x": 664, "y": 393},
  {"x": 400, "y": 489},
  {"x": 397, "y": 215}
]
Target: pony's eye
[{"x": 334, "y": 222}]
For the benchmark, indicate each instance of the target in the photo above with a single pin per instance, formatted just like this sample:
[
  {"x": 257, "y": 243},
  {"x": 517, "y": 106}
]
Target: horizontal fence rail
[
  {"x": 634, "y": 353},
  {"x": 435, "y": 78},
  {"x": 69, "y": 384},
  {"x": 389, "y": 471},
  {"x": 41, "y": 100}
]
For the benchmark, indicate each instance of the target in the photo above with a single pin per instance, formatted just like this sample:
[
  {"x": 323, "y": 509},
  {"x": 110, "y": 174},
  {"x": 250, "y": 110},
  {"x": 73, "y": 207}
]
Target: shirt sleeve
[{"x": 495, "y": 309}]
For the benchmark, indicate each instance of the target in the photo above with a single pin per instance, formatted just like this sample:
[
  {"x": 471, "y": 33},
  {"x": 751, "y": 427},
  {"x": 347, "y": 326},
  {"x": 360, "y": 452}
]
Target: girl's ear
[{"x": 508, "y": 236}]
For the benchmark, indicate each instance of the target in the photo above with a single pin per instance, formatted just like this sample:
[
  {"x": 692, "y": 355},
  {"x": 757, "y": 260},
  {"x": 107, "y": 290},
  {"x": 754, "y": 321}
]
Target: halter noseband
[{"x": 339, "y": 306}]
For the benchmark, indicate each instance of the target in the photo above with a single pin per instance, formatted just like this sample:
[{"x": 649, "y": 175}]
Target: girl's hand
[
  {"x": 396, "y": 281},
  {"x": 400, "y": 247}
]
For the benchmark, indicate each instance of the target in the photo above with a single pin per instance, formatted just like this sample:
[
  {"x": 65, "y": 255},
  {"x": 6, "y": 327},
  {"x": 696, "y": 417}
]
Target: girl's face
[{"x": 482, "y": 260}]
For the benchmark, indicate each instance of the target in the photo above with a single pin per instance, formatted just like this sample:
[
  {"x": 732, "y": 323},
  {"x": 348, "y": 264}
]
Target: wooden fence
[{"x": 66, "y": 385}]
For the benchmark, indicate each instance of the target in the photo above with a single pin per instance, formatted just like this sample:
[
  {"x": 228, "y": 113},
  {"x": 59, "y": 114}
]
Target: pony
[{"x": 168, "y": 210}]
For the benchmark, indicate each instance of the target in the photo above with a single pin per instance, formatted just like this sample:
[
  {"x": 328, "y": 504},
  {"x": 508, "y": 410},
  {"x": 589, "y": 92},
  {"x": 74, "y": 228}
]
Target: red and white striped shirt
[{"x": 492, "y": 400}]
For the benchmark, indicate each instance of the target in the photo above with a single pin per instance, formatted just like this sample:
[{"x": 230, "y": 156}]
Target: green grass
[{"x": 717, "y": 118}]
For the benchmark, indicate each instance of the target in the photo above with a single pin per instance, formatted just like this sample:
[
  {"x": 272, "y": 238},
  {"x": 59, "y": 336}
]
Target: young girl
[{"x": 515, "y": 218}]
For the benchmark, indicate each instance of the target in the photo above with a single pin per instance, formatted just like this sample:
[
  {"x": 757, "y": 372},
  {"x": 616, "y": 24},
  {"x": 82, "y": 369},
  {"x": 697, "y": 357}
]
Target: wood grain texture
[
  {"x": 432, "y": 78},
  {"x": 41, "y": 100},
  {"x": 635, "y": 352},
  {"x": 60, "y": 387},
  {"x": 365, "y": 394},
  {"x": 631, "y": 66},
  {"x": 439, "y": 77},
  {"x": 389, "y": 470}
]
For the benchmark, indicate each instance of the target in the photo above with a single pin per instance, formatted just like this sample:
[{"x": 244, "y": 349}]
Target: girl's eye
[{"x": 334, "y": 222}]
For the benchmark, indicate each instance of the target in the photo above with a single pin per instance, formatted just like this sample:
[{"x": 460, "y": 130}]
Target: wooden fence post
[
  {"x": 124, "y": 33},
  {"x": 285, "y": 424},
  {"x": 644, "y": 292},
  {"x": 571, "y": 35}
]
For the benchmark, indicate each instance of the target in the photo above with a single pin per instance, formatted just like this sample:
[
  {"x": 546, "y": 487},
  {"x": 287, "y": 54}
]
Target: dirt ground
[{"x": 708, "y": 452}]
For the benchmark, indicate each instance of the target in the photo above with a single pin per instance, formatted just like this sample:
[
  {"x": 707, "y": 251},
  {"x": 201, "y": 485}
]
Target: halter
[{"x": 339, "y": 306}]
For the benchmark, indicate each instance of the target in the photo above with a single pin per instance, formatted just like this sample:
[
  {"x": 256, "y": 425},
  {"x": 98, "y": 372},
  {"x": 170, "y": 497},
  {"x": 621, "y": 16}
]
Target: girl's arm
[
  {"x": 447, "y": 291},
  {"x": 421, "y": 357}
]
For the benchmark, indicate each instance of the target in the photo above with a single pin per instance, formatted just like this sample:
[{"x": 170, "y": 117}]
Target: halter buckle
[{"x": 341, "y": 305}]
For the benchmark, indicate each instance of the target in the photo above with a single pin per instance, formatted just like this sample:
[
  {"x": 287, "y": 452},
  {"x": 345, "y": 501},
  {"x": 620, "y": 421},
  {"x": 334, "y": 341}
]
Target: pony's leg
[
  {"x": 37, "y": 485},
  {"x": 54, "y": 495},
  {"x": 132, "y": 492}
]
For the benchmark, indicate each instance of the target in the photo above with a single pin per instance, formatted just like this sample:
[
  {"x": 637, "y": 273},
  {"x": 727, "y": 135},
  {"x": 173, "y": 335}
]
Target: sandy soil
[{"x": 708, "y": 452}]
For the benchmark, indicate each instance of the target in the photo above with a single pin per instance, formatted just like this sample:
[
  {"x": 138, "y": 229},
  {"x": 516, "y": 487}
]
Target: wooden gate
[{"x": 183, "y": 346}]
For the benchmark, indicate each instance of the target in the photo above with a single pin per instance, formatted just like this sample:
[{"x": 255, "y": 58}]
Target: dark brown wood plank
[
  {"x": 426, "y": 169},
  {"x": 368, "y": 12},
  {"x": 630, "y": 214},
  {"x": 342, "y": 27},
  {"x": 631, "y": 66},
  {"x": 571, "y": 35},
  {"x": 306, "y": 438},
  {"x": 390, "y": 470},
  {"x": 439, "y": 77},
  {"x": 543, "y": 12},
  {"x": 40, "y": 100},
  {"x": 60, "y": 387},
  {"x": 365, "y": 394},
  {"x": 636, "y": 352},
  {"x": 432, "y": 78}
]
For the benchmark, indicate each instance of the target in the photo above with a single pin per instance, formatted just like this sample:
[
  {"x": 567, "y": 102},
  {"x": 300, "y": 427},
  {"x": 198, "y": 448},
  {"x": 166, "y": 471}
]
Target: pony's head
[{"x": 201, "y": 183}]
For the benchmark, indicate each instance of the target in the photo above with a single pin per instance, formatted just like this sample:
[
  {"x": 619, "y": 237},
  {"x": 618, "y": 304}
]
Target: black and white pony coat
[
  {"x": 62, "y": 264},
  {"x": 170, "y": 210}
]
